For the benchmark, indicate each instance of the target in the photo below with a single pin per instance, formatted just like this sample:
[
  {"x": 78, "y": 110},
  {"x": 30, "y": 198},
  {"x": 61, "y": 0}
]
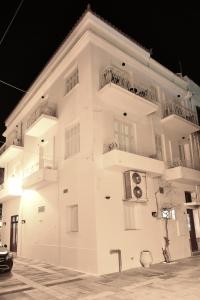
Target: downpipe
[{"x": 118, "y": 252}]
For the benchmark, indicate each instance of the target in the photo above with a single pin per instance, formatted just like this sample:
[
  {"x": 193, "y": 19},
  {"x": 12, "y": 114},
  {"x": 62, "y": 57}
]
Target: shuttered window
[
  {"x": 71, "y": 81},
  {"x": 158, "y": 142},
  {"x": 72, "y": 140},
  {"x": 72, "y": 218},
  {"x": 130, "y": 219}
]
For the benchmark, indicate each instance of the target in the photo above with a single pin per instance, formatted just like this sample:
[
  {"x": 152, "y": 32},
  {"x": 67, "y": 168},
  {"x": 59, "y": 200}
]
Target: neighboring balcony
[
  {"x": 178, "y": 120},
  {"x": 8, "y": 192},
  {"x": 9, "y": 152},
  {"x": 182, "y": 171},
  {"x": 41, "y": 120},
  {"x": 117, "y": 160},
  {"x": 118, "y": 89},
  {"x": 41, "y": 174}
]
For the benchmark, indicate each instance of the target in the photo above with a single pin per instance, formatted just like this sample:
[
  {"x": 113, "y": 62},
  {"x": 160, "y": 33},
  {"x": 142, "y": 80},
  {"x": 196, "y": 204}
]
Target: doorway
[
  {"x": 191, "y": 225},
  {"x": 198, "y": 113},
  {"x": 13, "y": 233}
]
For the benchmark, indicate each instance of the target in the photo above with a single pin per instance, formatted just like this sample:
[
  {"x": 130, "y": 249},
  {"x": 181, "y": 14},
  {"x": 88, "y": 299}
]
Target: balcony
[
  {"x": 182, "y": 171},
  {"x": 117, "y": 160},
  {"x": 6, "y": 192},
  {"x": 117, "y": 89},
  {"x": 178, "y": 120},
  {"x": 39, "y": 175},
  {"x": 41, "y": 120},
  {"x": 10, "y": 151}
]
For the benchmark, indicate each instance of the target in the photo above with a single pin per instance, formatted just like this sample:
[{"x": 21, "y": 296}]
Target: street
[{"x": 35, "y": 280}]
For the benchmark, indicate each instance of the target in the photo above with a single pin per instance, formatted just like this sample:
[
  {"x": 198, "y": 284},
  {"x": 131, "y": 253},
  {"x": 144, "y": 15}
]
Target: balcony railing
[
  {"x": 15, "y": 141},
  {"x": 45, "y": 163},
  {"x": 174, "y": 107},
  {"x": 115, "y": 146},
  {"x": 45, "y": 108},
  {"x": 182, "y": 163},
  {"x": 121, "y": 78},
  {"x": 3, "y": 149}
]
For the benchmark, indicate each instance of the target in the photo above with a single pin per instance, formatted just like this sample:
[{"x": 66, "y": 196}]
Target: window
[
  {"x": 132, "y": 216},
  {"x": 198, "y": 113},
  {"x": 71, "y": 81},
  {"x": 72, "y": 140},
  {"x": 158, "y": 142},
  {"x": 124, "y": 136},
  {"x": 72, "y": 218}
]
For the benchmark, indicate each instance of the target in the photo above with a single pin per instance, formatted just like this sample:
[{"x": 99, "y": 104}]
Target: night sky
[{"x": 40, "y": 27}]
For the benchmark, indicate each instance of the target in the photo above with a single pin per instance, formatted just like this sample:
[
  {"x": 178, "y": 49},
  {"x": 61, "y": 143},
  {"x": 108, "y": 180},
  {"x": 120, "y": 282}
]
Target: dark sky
[{"x": 41, "y": 26}]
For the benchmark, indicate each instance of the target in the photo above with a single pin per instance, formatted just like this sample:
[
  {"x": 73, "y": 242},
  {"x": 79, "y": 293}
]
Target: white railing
[
  {"x": 174, "y": 107},
  {"x": 45, "y": 108},
  {"x": 121, "y": 78}
]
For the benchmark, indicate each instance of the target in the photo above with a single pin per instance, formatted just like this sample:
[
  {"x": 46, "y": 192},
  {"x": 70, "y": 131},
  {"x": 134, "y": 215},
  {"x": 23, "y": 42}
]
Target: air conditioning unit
[{"x": 135, "y": 186}]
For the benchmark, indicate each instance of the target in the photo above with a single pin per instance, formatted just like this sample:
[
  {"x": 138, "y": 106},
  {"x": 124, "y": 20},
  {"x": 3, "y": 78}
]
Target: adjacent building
[{"x": 100, "y": 156}]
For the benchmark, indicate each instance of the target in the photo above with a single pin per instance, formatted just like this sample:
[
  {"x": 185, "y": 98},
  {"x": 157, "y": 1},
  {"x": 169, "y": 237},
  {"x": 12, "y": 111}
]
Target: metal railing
[
  {"x": 6, "y": 145},
  {"x": 45, "y": 108},
  {"x": 181, "y": 163},
  {"x": 174, "y": 107},
  {"x": 121, "y": 78},
  {"x": 45, "y": 163}
]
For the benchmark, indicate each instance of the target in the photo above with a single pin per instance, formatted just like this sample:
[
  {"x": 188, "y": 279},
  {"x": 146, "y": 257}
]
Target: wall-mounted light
[
  {"x": 65, "y": 191},
  {"x": 107, "y": 197},
  {"x": 4, "y": 223},
  {"x": 23, "y": 221}
]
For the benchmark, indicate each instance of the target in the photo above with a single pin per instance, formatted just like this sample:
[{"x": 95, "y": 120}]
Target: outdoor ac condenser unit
[{"x": 135, "y": 186}]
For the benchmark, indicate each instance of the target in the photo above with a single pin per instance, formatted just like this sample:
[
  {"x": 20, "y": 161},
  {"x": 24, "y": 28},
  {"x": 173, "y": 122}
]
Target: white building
[{"x": 102, "y": 114}]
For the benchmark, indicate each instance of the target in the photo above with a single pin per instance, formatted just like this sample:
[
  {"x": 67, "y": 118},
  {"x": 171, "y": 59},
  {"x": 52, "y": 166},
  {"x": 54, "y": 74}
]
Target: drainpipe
[{"x": 118, "y": 252}]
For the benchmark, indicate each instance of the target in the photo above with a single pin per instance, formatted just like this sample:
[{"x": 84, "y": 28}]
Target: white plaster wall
[
  {"x": 39, "y": 236},
  {"x": 111, "y": 232}
]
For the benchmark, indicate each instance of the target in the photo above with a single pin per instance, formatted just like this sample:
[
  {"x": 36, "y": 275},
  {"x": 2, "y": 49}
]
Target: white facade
[{"x": 101, "y": 107}]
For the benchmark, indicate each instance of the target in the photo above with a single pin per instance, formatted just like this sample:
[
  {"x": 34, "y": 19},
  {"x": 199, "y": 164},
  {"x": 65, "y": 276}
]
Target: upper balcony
[
  {"x": 118, "y": 89},
  {"x": 178, "y": 120},
  {"x": 40, "y": 174},
  {"x": 117, "y": 160},
  {"x": 182, "y": 171},
  {"x": 41, "y": 120},
  {"x": 9, "y": 151}
]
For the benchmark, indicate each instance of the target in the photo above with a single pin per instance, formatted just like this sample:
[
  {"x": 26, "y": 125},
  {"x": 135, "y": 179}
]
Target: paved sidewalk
[{"x": 34, "y": 280}]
